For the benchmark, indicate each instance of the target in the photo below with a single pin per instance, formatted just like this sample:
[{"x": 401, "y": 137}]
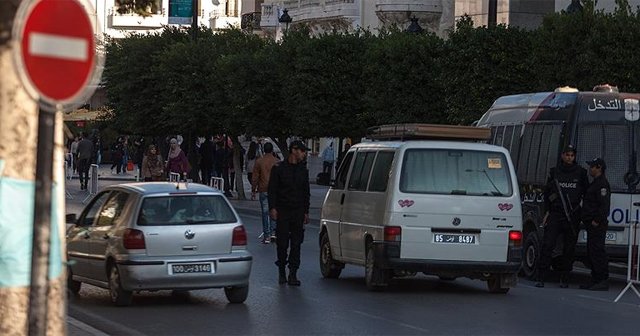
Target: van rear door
[{"x": 456, "y": 205}]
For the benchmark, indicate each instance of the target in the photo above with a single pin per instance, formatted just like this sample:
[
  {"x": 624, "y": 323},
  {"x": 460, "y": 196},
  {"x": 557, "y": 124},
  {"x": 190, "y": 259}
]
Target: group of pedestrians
[
  {"x": 81, "y": 154},
  {"x": 569, "y": 201}
]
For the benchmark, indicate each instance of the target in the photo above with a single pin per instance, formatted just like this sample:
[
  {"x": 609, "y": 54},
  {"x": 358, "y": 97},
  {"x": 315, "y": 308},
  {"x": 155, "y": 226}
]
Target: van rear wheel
[
  {"x": 376, "y": 278},
  {"x": 329, "y": 267},
  {"x": 531, "y": 255}
]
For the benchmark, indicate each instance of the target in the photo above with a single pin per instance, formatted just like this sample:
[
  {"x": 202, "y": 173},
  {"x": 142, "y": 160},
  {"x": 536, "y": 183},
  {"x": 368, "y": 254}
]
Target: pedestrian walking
[
  {"x": 177, "y": 159},
  {"x": 260, "y": 184},
  {"x": 565, "y": 188},
  {"x": 116, "y": 155},
  {"x": 206, "y": 160},
  {"x": 252, "y": 156},
  {"x": 74, "y": 152},
  {"x": 328, "y": 157},
  {"x": 597, "y": 201},
  {"x": 85, "y": 153},
  {"x": 152, "y": 165},
  {"x": 289, "y": 206}
]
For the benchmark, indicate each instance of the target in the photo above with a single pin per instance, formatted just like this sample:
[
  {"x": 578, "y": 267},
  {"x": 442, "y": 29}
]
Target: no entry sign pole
[{"x": 56, "y": 60}]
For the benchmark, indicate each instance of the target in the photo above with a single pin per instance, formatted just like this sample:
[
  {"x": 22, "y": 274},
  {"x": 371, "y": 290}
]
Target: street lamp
[
  {"x": 414, "y": 27},
  {"x": 285, "y": 18}
]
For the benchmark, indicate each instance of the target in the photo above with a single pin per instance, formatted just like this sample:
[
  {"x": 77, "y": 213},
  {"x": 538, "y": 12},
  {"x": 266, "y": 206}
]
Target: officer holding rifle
[{"x": 563, "y": 194}]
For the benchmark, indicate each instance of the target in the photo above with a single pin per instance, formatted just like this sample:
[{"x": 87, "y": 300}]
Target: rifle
[{"x": 568, "y": 209}]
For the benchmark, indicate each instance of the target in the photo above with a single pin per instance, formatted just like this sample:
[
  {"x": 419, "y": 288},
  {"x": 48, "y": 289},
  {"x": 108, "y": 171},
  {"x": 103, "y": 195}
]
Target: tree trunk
[{"x": 18, "y": 140}]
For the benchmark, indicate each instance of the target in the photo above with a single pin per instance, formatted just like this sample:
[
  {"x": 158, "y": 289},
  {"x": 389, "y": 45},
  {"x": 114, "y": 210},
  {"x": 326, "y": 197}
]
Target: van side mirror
[
  {"x": 71, "y": 218},
  {"x": 332, "y": 184}
]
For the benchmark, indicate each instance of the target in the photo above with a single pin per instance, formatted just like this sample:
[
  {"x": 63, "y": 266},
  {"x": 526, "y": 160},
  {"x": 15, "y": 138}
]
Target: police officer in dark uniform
[
  {"x": 289, "y": 206},
  {"x": 594, "y": 217},
  {"x": 565, "y": 188}
]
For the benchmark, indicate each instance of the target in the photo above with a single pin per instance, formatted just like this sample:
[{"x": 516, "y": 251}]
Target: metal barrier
[
  {"x": 68, "y": 174},
  {"x": 174, "y": 177},
  {"x": 633, "y": 271},
  {"x": 217, "y": 182},
  {"x": 93, "y": 182}
]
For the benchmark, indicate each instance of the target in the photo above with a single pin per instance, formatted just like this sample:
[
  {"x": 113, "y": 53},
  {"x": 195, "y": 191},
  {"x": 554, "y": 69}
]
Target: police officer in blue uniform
[{"x": 597, "y": 201}]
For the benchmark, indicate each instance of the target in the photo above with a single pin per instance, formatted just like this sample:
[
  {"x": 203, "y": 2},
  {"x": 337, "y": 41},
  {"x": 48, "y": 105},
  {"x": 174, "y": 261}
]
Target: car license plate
[
  {"x": 190, "y": 268},
  {"x": 454, "y": 238},
  {"x": 611, "y": 236}
]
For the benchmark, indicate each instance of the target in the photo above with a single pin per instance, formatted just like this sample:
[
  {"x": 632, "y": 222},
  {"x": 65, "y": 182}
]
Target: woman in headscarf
[
  {"x": 177, "y": 160},
  {"x": 152, "y": 165}
]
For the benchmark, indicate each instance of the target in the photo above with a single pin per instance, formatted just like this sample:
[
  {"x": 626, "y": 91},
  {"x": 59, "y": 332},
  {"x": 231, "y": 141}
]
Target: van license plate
[
  {"x": 454, "y": 238},
  {"x": 190, "y": 268},
  {"x": 611, "y": 236}
]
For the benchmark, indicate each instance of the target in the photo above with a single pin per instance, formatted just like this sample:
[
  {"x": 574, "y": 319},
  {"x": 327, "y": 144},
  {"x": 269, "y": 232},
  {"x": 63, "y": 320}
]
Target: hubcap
[
  {"x": 326, "y": 252},
  {"x": 113, "y": 284},
  {"x": 531, "y": 256}
]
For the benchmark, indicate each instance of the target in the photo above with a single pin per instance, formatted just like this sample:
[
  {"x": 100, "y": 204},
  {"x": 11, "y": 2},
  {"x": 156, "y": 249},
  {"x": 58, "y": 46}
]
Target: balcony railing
[
  {"x": 117, "y": 20},
  {"x": 251, "y": 21}
]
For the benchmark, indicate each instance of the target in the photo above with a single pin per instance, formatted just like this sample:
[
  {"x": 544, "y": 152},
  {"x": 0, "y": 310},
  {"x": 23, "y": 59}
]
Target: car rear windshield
[
  {"x": 185, "y": 210},
  {"x": 455, "y": 172}
]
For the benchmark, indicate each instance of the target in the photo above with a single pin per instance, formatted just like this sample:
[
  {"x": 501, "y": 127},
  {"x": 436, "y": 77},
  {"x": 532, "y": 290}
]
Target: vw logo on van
[
  {"x": 456, "y": 221},
  {"x": 189, "y": 234}
]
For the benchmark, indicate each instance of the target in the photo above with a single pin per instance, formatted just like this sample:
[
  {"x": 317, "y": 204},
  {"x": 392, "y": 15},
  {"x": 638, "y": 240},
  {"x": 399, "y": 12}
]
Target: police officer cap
[
  {"x": 597, "y": 162},
  {"x": 569, "y": 148}
]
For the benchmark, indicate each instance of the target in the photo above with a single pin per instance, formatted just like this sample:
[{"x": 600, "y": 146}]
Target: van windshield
[{"x": 455, "y": 172}]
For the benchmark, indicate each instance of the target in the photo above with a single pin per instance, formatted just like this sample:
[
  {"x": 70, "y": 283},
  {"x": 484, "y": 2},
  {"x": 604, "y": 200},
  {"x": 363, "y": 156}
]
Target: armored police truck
[{"x": 602, "y": 123}]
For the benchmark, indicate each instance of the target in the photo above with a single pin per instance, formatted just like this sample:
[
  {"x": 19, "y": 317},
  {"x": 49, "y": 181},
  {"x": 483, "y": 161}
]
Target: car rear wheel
[
  {"x": 73, "y": 286},
  {"x": 329, "y": 267},
  {"x": 236, "y": 294},
  {"x": 494, "y": 286},
  {"x": 376, "y": 279},
  {"x": 119, "y": 296}
]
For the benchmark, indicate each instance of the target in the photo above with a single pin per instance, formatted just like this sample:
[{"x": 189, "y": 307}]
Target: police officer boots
[
  {"x": 282, "y": 275},
  {"x": 293, "y": 279}
]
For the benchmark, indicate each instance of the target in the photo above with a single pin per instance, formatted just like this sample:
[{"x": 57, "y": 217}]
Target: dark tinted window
[
  {"x": 343, "y": 171},
  {"x": 381, "y": 171},
  {"x": 361, "y": 170},
  {"x": 183, "y": 210}
]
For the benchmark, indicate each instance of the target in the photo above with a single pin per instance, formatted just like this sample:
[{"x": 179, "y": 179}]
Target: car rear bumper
[
  {"x": 387, "y": 256},
  {"x": 149, "y": 274}
]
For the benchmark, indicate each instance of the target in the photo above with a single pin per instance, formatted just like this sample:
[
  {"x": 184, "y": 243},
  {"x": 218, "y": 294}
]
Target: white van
[{"x": 449, "y": 208}]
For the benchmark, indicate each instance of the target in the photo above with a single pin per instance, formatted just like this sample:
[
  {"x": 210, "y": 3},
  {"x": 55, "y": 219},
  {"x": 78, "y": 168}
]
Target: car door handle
[
  {"x": 342, "y": 199},
  {"x": 86, "y": 235},
  {"x": 106, "y": 236}
]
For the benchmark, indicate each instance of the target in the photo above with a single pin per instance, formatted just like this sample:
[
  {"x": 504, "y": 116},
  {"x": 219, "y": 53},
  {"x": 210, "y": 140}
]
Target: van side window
[
  {"x": 361, "y": 170},
  {"x": 381, "y": 171},
  {"x": 343, "y": 171}
]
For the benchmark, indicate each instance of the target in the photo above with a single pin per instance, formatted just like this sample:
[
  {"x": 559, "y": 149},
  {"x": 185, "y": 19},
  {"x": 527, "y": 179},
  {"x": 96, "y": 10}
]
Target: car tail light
[
  {"x": 392, "y": 233},
  {"x": 515, "y": 238},
  {"x": 239, "y": 236},
  {"x": 133, "y": 239}
]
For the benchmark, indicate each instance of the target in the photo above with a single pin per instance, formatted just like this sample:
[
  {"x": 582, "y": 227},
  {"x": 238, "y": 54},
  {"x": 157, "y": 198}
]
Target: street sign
[{"x": 56, "y": 52}]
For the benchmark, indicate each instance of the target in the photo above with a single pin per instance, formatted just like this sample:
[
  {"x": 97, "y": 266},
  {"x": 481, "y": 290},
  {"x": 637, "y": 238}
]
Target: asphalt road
[{"x": 412, "y": 306}]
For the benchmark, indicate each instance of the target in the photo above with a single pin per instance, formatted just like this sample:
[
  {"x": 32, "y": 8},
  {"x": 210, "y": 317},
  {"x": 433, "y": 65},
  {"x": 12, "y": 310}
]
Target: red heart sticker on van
[
  {"x": 505, "y": 206},
  {"x": 405, "y": 203}
]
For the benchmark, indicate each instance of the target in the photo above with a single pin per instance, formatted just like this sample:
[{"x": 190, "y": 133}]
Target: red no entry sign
[{"x": 56, "y": 57}]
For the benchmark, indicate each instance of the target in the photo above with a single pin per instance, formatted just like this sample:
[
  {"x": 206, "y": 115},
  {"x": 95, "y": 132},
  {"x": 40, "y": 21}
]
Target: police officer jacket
[
  {"x": 573, "y": 182},
  {"x": 595, "y": 206},
  {"x": 289, "y": 187}
]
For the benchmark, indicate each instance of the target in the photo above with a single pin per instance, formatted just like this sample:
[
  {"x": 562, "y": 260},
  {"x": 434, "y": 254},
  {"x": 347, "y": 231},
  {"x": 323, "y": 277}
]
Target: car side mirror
[
  {"x": 332, "y": 184},
  {"x": 72, "y": 218}
]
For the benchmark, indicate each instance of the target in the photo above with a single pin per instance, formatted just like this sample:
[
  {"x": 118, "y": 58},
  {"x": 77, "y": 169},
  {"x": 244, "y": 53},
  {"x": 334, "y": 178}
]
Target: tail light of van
[
  {"x": 515, "y": 238},
  {"x": 392, "y": 233},
  {"x": 133, "y": 239},
  {"x": 514, "y": 253},
  {"x": 239, "y": 236}
]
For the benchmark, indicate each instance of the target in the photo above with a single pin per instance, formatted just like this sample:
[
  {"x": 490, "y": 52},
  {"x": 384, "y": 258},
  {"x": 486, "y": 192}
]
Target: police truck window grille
[
  {"x": 515, "y": 144},
  {"x": 610, "y": 142}
]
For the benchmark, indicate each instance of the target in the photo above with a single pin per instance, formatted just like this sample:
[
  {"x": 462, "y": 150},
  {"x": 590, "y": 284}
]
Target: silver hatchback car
[{"x": 158, "y": 236}]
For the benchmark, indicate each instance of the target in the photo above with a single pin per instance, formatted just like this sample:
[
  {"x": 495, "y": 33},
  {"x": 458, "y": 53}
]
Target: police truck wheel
[
  {"x": 375, "y": 278},
  {"x": 329, "y": 267},
  {"x": 531, "y": 256}
]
